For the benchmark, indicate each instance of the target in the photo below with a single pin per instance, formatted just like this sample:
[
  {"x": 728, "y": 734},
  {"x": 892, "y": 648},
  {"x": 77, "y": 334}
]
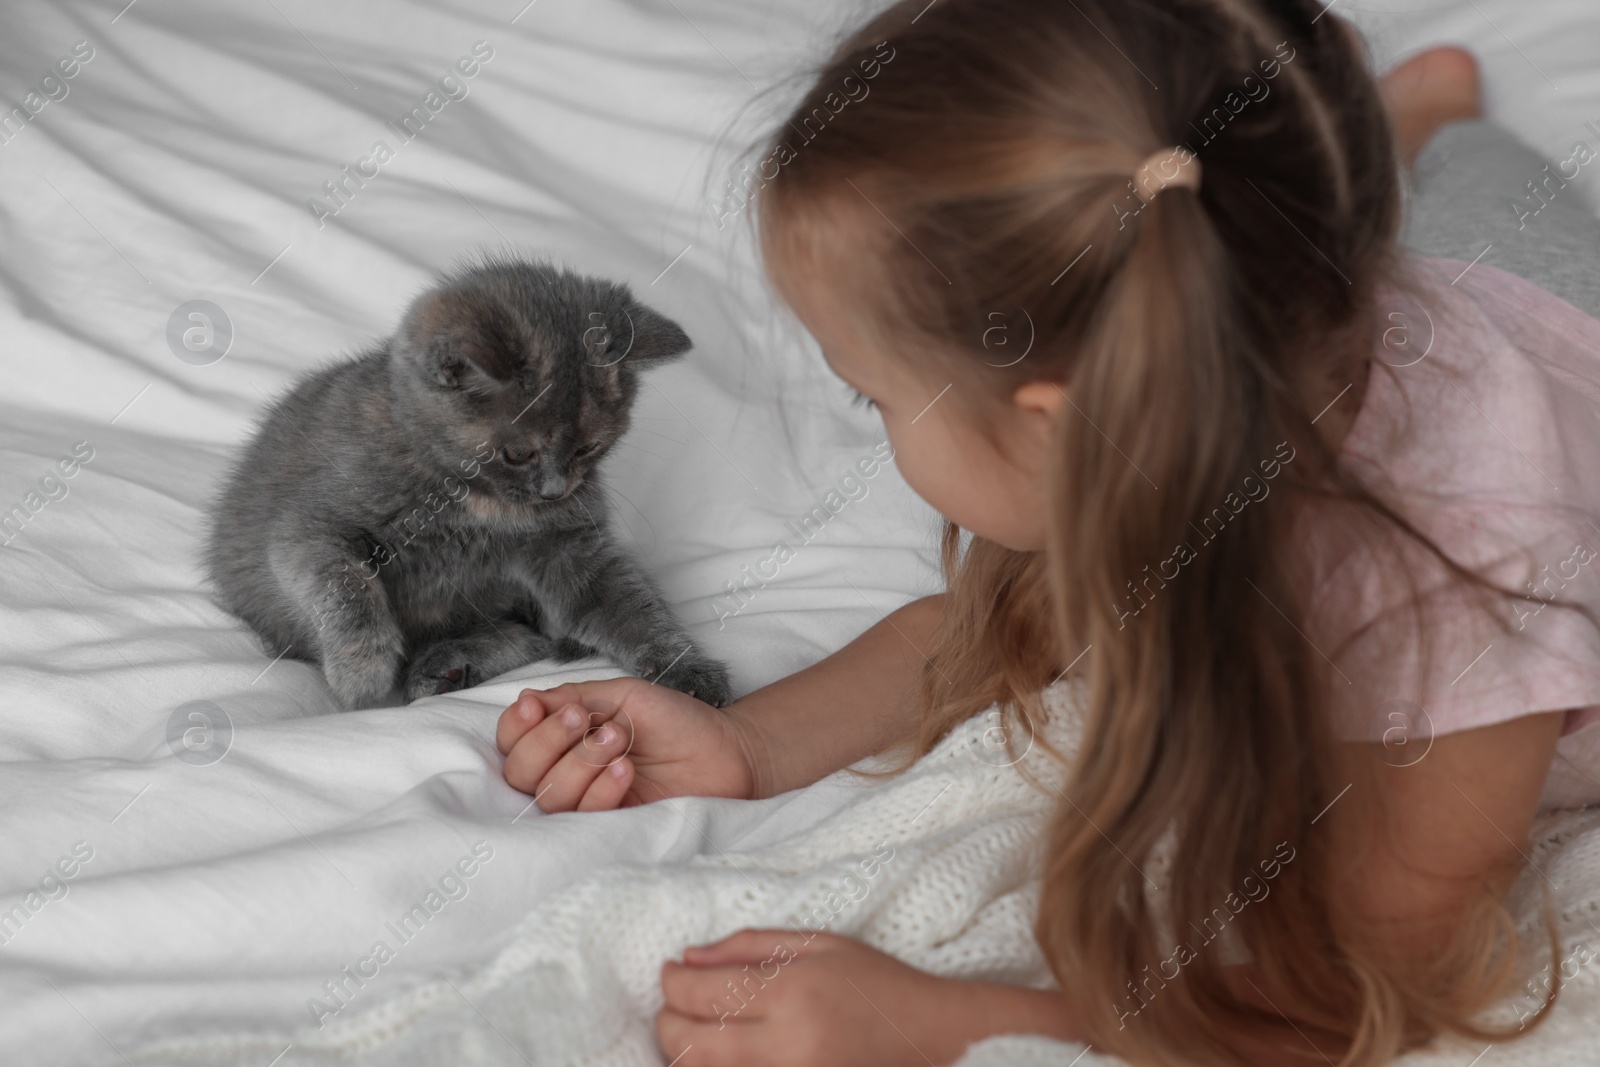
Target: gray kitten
[{"x": 430, "y": 511}]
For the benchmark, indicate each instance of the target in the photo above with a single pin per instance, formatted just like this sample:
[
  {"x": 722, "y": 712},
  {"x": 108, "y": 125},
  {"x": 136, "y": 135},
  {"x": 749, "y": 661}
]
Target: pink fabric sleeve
[{"x": 1488, "y": 445}]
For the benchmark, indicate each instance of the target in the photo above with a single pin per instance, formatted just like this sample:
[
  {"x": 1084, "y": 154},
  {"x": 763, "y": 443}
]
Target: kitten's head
[{"x": 530, "y": 365}]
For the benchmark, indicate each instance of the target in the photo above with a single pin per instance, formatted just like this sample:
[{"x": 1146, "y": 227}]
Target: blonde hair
[{"x": 990, "y": 171}]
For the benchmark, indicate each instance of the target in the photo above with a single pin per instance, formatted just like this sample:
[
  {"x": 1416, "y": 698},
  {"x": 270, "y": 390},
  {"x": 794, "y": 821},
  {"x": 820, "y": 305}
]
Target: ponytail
[{"x": 1164, "y": 572}]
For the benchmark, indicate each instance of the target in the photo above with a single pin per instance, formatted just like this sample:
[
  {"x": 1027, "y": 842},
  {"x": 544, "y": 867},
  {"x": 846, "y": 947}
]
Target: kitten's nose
[
  {"x": 552, "y": 487},
  {"x": 517, "y": 455}
]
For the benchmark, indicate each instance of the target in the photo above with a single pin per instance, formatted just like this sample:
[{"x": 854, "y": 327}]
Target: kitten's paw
[
  {"x": 361, "y": 676},
  {"x": 472, "y": 658},
  {"x": 421, "y": 682},
  {"x": 697, "y": 675}
]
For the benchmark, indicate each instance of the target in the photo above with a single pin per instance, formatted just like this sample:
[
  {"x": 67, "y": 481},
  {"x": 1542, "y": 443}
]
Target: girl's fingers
[
  {"x": 532, "y": 706},
  {"x": 542, "y": 746},
  {"x": 704, "y": 993},
  {"x": 696, "y": 1043},
  {"x": 752, "y": 946},
  {"x": 523, "y": 714},
  {"x": 561, "y": 695},
  {"x": 605, "y": 695},
  {"x": 609, "y": 788},
  {"x": 588, "y": 755}
]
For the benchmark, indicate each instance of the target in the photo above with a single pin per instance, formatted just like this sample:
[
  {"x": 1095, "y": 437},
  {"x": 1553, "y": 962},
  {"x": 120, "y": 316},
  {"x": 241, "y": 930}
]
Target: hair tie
[{"x": 1174, "y": 165}]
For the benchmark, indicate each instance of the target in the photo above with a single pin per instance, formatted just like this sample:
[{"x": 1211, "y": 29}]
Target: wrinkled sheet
[{"x": 157, "y": 882}]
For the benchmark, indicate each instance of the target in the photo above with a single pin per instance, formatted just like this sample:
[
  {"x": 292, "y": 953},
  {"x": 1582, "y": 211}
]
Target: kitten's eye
[
  {"x": 862, "y": 400},
  {"x": 518, "y": 455},
  {"x": 584, "y": 450}
]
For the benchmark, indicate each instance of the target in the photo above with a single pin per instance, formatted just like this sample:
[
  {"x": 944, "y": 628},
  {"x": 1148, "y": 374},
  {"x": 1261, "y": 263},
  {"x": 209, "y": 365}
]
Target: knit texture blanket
[{"x": 935, "y": 866}]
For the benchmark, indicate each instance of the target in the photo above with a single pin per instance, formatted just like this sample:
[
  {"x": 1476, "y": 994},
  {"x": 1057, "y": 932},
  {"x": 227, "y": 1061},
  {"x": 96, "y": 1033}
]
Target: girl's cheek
[
  {"x": 941, "y": 483},
  {"x": 922, "y": 482},
  {"x": 986, "y": 499},
  {"x": 956, "y": 471}
]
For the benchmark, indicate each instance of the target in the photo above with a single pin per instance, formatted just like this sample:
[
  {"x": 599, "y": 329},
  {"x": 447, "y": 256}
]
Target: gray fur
[{"x": 379, "y": 523}]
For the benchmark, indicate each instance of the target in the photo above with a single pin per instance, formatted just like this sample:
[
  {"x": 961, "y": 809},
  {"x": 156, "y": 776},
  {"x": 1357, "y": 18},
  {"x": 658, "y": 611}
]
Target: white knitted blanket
[{"x": 951, "y": 892}]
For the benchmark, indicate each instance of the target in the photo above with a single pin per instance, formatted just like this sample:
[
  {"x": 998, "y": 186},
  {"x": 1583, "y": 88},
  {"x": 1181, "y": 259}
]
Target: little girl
[{"x": 1309, "y": 520}]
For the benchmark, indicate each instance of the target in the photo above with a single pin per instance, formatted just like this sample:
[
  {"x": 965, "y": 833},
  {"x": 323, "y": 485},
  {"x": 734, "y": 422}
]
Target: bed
[{"x": 195, "y": 839}]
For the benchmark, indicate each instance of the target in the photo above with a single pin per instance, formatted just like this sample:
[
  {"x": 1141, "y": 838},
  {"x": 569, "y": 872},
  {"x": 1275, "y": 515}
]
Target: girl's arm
[
  {"x": 1455, "y": 829},
  {"x": 858, "y": 701},
  {"x": 1450, "y": 838},
  {"x": 592, "y": 746}
]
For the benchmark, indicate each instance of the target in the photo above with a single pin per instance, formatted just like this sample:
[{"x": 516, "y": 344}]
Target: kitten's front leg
[
  {"x": 341, "y": 604},
  {"x": 594, "y": 593}
]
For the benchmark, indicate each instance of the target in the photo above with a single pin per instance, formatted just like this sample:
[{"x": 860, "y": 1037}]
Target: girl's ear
[{"x": 1043, "y": 396}]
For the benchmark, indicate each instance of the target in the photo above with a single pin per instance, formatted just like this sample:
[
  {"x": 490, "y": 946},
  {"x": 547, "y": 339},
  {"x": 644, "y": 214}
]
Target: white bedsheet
[{"x": 177, "y": 167}]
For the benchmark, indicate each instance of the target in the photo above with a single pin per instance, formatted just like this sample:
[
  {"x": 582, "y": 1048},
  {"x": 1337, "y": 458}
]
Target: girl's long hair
[{"x": 975, "y": 156}]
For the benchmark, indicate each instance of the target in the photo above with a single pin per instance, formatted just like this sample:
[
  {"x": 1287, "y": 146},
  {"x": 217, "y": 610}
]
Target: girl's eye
[{"x": 860, "y": 399}]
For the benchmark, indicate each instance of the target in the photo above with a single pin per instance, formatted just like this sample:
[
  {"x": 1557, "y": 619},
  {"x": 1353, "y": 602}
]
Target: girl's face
[{"x": 985, "y": 473}]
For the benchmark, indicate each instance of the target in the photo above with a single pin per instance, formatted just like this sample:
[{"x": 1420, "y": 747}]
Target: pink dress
[{"x": 1481, "y": 425}]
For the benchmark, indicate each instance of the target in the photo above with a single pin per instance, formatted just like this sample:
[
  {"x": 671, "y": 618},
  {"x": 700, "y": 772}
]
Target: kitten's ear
[
  {"x": 462, "y": 361},
  {"x": 457, "y": 343},
  {"x": 656, "y": 338}
]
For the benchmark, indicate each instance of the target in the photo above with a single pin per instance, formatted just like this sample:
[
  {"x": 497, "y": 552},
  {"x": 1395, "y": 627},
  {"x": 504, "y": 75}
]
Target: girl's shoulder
[
  {"x": 1560, "y": 339},
  {"x": 1481, "y": 426},
  {"x": 1484, "y": 387}
]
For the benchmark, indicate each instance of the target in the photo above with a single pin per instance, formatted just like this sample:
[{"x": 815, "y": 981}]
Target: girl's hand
[
  {"x": 593, "y": 746},
  {"x": 767, "y": 998}
]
